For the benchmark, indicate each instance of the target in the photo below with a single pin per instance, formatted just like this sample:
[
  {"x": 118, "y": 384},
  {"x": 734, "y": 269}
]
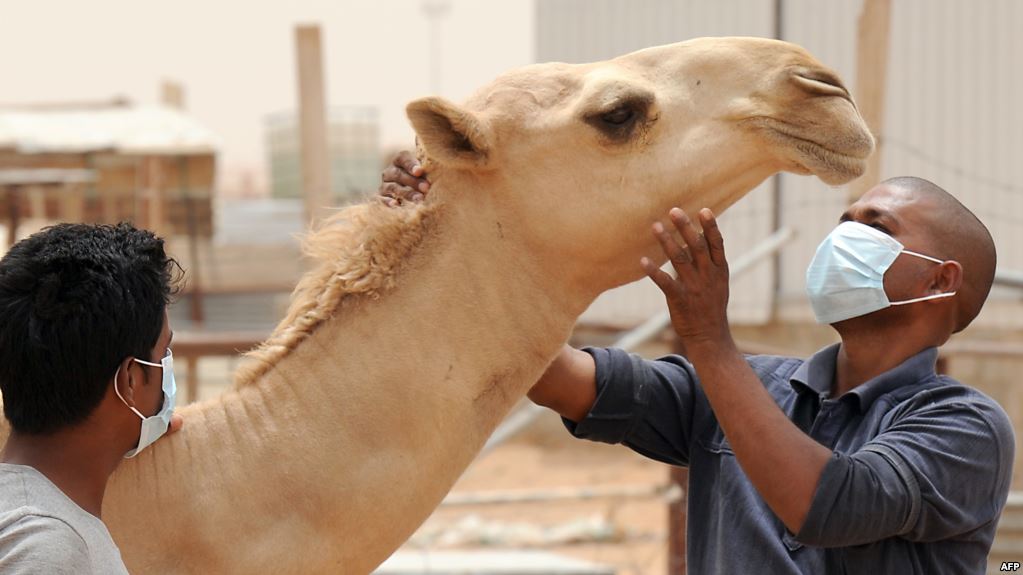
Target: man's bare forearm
[{"x": 569, "y": 386}]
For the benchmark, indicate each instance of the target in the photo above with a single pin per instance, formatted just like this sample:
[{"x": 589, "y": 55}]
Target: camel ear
[{"x": 449, "y": 134}]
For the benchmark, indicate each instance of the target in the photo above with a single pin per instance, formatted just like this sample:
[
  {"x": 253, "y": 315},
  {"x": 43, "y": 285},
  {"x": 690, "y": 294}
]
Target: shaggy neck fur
[{"x": 359, "y": 253}]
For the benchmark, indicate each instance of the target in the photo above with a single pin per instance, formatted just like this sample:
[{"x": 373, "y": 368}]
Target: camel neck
[
  {"x": 468, "y": 295},
  {"x": 373, "y": 417}
]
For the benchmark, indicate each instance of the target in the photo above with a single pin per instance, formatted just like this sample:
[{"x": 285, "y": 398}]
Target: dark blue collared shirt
[{"x": 920, "y": 473}]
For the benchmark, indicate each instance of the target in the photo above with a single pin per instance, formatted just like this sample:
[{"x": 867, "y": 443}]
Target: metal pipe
[{"x": 435, "y": 10}]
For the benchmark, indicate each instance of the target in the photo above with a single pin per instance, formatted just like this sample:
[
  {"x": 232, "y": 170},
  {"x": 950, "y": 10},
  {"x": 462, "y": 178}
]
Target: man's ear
[
  {"x": 124, "y": 383},
  {"x": 449, "y": 134},
  {"x": 948, "y": 277}
]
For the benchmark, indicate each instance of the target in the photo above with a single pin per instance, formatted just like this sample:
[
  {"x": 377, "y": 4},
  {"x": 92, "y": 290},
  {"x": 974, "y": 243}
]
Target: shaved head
[{"x": 956, "y": 234}]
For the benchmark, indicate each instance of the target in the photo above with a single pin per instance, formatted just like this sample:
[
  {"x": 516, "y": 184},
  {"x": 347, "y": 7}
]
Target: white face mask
[
  {"x": 846, "y": 277},
  {"x": 154, "y": 426}
]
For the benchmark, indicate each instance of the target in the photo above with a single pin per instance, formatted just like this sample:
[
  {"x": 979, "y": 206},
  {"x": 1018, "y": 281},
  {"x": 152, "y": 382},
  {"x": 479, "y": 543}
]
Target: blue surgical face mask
[
  {"x": 154, "y": 426},
  {"x": 846, "y": 277}
]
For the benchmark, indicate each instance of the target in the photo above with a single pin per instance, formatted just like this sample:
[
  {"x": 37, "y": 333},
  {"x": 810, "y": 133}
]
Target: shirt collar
[
  {"x": 817, "y": 374},
  {"x": 913, "y": 370}
]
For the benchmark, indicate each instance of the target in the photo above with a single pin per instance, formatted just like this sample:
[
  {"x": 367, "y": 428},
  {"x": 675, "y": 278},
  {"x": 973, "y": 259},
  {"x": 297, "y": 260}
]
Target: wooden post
[
  {"x": 195, "y": 277},
  {"x": 312, "y": 121},
  {"x": 37, "y": 201},
  {"x": 154, "y": 192},
  {"x": 13, "y": 214},
  {"x": 72, "y": 203},
  {"x": 871, "y": 74},
  {"x": 172, "y": 95},
  {"x": 679, "y": 478},
  {"x": 108, "y": 197},
  {"x": 192, "y": 380}
]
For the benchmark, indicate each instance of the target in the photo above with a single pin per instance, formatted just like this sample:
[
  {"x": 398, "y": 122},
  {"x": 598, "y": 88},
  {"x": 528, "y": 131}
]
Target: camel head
[{"x": 576, "y": 161}]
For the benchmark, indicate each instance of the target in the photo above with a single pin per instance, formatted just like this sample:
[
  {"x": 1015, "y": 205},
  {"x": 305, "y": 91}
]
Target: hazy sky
[{"x": 236, "y": 58}]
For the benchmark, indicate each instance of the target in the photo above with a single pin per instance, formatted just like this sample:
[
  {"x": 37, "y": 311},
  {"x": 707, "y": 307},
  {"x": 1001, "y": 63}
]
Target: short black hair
[{"x": 75, "y": 301}]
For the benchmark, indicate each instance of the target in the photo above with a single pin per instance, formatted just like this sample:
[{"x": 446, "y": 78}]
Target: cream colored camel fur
[{"x": 422, "y": 325}]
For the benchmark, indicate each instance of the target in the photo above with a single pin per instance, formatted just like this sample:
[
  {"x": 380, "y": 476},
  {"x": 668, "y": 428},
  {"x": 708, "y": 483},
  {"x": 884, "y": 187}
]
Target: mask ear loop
[
  {"x": 926, "y": 297},
  {"x": 118, "y": 392},
  {"x": 928, "y": 258},
  {"x": 161, "y": 365}
]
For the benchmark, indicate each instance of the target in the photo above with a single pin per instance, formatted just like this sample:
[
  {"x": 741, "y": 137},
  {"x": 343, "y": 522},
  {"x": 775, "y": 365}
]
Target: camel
[{"x": 422, "y": 325}]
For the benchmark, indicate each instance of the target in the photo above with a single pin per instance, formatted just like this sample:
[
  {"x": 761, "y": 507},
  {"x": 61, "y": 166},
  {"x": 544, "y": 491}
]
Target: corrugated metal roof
[{"x": 128, "y": 130}]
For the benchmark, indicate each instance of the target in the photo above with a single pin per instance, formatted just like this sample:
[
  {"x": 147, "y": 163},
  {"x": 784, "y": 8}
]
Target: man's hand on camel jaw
[
  {"x": 698, "y": 297},
  {"x": 404, "y": 180}
]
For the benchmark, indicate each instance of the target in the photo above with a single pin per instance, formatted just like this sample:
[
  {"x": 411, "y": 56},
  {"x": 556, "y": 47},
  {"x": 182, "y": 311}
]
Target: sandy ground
[{"x": 638, "y": 545}]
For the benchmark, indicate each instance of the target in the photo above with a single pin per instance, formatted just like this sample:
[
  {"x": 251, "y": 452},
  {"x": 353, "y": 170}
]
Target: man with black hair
[
  {"x": 84, "y": 356},
  {"x": 860, "y": 459}
]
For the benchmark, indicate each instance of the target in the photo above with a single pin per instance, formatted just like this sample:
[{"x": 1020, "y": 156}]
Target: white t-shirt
[{"x": 42, "y": 531}]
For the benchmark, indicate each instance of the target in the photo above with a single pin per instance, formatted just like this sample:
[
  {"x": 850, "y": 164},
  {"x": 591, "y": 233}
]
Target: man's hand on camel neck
[{"x": 403, "y": 181}]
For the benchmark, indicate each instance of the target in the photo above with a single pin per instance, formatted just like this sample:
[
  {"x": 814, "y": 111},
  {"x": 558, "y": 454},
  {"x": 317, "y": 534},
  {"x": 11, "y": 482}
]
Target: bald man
[{"x": 860, "y": 459}]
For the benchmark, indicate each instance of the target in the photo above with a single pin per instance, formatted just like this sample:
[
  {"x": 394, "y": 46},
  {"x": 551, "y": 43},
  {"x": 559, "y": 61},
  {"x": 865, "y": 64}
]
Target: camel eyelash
[{"x": 619, "y": 121}]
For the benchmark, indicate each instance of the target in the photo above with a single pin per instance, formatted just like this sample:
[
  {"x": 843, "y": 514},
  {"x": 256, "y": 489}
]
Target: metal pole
[
  {"x": 435, "y": 10},
  {"x": 776, "y": 191}
]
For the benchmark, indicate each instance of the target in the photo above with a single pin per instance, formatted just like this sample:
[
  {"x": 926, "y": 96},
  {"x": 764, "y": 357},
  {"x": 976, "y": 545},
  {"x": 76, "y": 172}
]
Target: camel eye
[
  {"x": 618, "y": 124},
  {"x": 619, "y": 116}
]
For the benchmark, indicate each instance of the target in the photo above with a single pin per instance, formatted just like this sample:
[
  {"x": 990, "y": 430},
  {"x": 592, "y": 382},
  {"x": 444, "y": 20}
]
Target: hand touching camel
[{"x": 403, "y": 180}]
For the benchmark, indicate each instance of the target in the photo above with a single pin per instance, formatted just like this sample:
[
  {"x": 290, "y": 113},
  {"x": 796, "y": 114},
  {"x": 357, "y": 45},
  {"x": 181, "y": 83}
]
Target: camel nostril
[{"x": 822, "y": 82}]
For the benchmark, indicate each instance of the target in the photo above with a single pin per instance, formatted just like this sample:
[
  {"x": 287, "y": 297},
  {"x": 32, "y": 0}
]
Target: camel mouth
[{"x": 833, "y": 164}]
